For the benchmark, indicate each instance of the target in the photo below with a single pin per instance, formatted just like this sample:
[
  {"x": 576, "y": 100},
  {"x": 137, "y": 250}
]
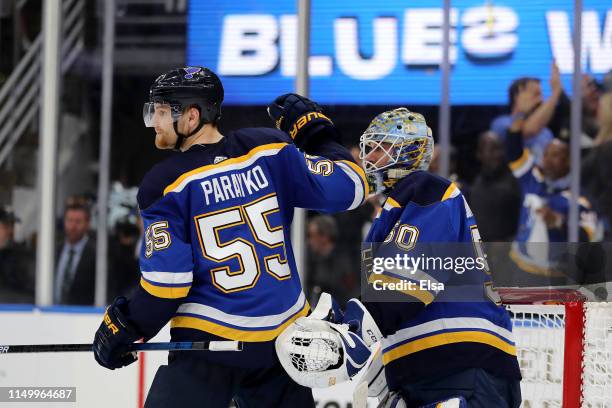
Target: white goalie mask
[{"x": 311, "y": 352}]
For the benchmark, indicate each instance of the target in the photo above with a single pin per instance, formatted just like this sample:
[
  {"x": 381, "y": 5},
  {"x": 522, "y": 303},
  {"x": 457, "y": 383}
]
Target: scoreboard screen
[{"x": 389, "y": 52}]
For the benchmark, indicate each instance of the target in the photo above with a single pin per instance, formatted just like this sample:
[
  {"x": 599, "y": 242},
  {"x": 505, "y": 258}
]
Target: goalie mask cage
[{"x": 565, "y": 354}]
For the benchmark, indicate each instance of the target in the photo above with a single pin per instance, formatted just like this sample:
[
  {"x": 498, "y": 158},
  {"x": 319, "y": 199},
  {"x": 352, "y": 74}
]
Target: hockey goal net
[{"x": 565, "y": 353}]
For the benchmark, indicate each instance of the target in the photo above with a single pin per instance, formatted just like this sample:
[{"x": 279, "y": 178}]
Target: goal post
[{"x": 564, "y": 351}]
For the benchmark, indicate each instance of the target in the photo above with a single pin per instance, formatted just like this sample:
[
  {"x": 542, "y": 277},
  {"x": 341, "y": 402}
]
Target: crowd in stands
[
  {"x": 520, "y": 194},
  {"x": 75, "y": 257}
]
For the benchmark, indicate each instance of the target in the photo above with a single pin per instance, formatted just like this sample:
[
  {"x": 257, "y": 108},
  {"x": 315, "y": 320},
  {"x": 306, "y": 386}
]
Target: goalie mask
[{"x": 396, "y": 143}]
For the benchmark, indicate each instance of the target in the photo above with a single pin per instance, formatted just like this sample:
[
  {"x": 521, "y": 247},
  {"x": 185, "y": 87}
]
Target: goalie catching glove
[
  {"x": 319, "y": 354},
  {"x": 355, "y": 316},
  {"x": 302, "y": 119}
]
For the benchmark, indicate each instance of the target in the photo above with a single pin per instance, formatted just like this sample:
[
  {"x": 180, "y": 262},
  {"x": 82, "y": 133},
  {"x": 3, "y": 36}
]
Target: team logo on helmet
[{"x": 192, "y": 70}]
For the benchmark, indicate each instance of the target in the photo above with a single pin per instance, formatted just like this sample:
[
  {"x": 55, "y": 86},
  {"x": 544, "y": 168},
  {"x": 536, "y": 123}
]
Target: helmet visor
[{"x": 160, "y": 114}]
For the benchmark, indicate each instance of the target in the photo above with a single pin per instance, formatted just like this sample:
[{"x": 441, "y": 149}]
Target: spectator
[
  {"x": 591, "y": 94},
  {"x": 124, "y": 270},
  {"x": 528, "y": 105},
  {"x": 434, "y": 165},
  {"x": 16, "y": 266},
  {"x": 495, "y": 191},
  {"x": 329, "y": 269},
  {"x": 544, "y": 213},
  {"x": 560, "y": 123},
  {"x": 597, "y": 166},
  {"x": 76, "y": 265}
]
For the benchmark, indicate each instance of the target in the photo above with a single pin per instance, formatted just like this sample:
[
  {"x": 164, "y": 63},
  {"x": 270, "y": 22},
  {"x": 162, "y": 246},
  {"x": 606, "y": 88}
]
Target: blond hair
[{"x": 604, "y": 119}]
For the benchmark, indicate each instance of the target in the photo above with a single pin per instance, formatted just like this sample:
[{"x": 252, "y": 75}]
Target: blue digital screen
[{"x": 389, "y": 52}]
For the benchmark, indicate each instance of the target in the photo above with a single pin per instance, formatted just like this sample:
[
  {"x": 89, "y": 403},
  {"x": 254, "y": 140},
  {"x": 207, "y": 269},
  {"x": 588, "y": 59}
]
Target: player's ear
[{"x": 194, "y": 116}]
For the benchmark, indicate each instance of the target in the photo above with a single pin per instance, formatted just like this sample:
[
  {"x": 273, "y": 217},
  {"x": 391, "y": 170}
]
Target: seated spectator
[
  {"x": 597, "y": 165},
  {"x": 495, "y": 191},
  {"x": 527, "y": 104},
  {"x": 16, "y": 264},
  {"x": 74, "y": 280},
  {"x": 329, "y": 268}
]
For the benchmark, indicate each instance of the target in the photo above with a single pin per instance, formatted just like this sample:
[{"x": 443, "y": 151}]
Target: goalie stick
[{"x": 172, "y": 346}]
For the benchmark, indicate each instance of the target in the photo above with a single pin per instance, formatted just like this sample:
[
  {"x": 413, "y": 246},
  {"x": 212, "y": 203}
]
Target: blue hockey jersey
[
  {"x": 217, "y": 257},
  {"x": 438, "y": 330},
  {"x": 531, "y": 250}
]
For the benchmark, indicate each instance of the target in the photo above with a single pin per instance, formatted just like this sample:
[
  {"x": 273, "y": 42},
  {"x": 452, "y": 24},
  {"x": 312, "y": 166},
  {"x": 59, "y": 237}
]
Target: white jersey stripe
[
  {"x": 223, "y": 169},
  {"x": 252, "y": 322},
  {"x": 359, "y": 193},
  {"x": 466, "y": 323},
  {"x": 168, "y": 277}
]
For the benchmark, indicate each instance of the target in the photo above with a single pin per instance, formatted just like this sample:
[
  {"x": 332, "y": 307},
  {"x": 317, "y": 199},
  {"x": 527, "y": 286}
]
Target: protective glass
[{"x": 158, "y": 114}]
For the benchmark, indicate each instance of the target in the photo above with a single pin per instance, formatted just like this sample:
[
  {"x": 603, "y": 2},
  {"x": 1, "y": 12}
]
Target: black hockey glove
[
  {"x": 113, "y": 337},
  {"x": 302, "y": 119}
]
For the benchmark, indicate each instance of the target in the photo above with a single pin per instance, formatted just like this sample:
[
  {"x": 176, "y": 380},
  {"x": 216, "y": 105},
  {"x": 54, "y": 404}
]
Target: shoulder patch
[{"x": 422, "y": 188}]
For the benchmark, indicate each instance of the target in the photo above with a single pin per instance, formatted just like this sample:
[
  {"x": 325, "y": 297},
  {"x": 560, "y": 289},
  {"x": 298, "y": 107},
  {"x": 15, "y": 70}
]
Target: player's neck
[{"x": 207, "y": 135}]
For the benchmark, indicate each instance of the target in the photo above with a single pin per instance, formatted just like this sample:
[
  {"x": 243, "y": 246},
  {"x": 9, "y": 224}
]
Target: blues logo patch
[{"x": 190, "y": 71}]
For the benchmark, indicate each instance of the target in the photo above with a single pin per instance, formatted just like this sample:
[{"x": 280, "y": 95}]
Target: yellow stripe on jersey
[
  {"x": 392, "y": 203},
  {"x": 232, "y": 333},
  {"x": 361, "y": 174},
  {"x": 420, "y": 294},
  {"x": 225, "y": 163},
  {"x": 590, "y": 232},
  {"x": 448, "y": 338},
  {"x": 533, "y": 268},
  {"x": 516, "y": 164},
  {"x": 166, "y": 292},
  {"x": 450, "y": 191}
]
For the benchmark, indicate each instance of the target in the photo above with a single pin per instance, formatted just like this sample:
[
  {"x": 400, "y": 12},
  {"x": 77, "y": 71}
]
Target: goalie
[{"x": 436, "y": 344}]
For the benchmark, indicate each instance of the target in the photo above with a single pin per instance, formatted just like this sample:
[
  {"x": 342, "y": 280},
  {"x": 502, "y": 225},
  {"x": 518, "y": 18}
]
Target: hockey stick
[{"x": 174, "y": 346}]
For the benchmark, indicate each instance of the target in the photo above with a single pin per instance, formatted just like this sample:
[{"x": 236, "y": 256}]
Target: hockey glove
[
  {"x": 327, "y": 309},
  {"x": 361, "y": 322},
  {"x": 113, "y": 337},
  {"x": 355, "y": 316},
  {"x": 302, "y": 119},
  {"x": 319, "y": 354},
  {"x": 356, "y": 350}
]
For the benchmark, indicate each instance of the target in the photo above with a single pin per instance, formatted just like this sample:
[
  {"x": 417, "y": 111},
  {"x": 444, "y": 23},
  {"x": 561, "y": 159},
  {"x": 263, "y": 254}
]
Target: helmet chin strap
[
  {"x": 180, "y": 138},
  {"x": 392, "y": 176}
]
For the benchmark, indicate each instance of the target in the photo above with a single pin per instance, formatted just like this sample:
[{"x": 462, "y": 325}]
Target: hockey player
[
  {"x": 437, "y": 344},
  {"x": 217, "y": 260}
]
